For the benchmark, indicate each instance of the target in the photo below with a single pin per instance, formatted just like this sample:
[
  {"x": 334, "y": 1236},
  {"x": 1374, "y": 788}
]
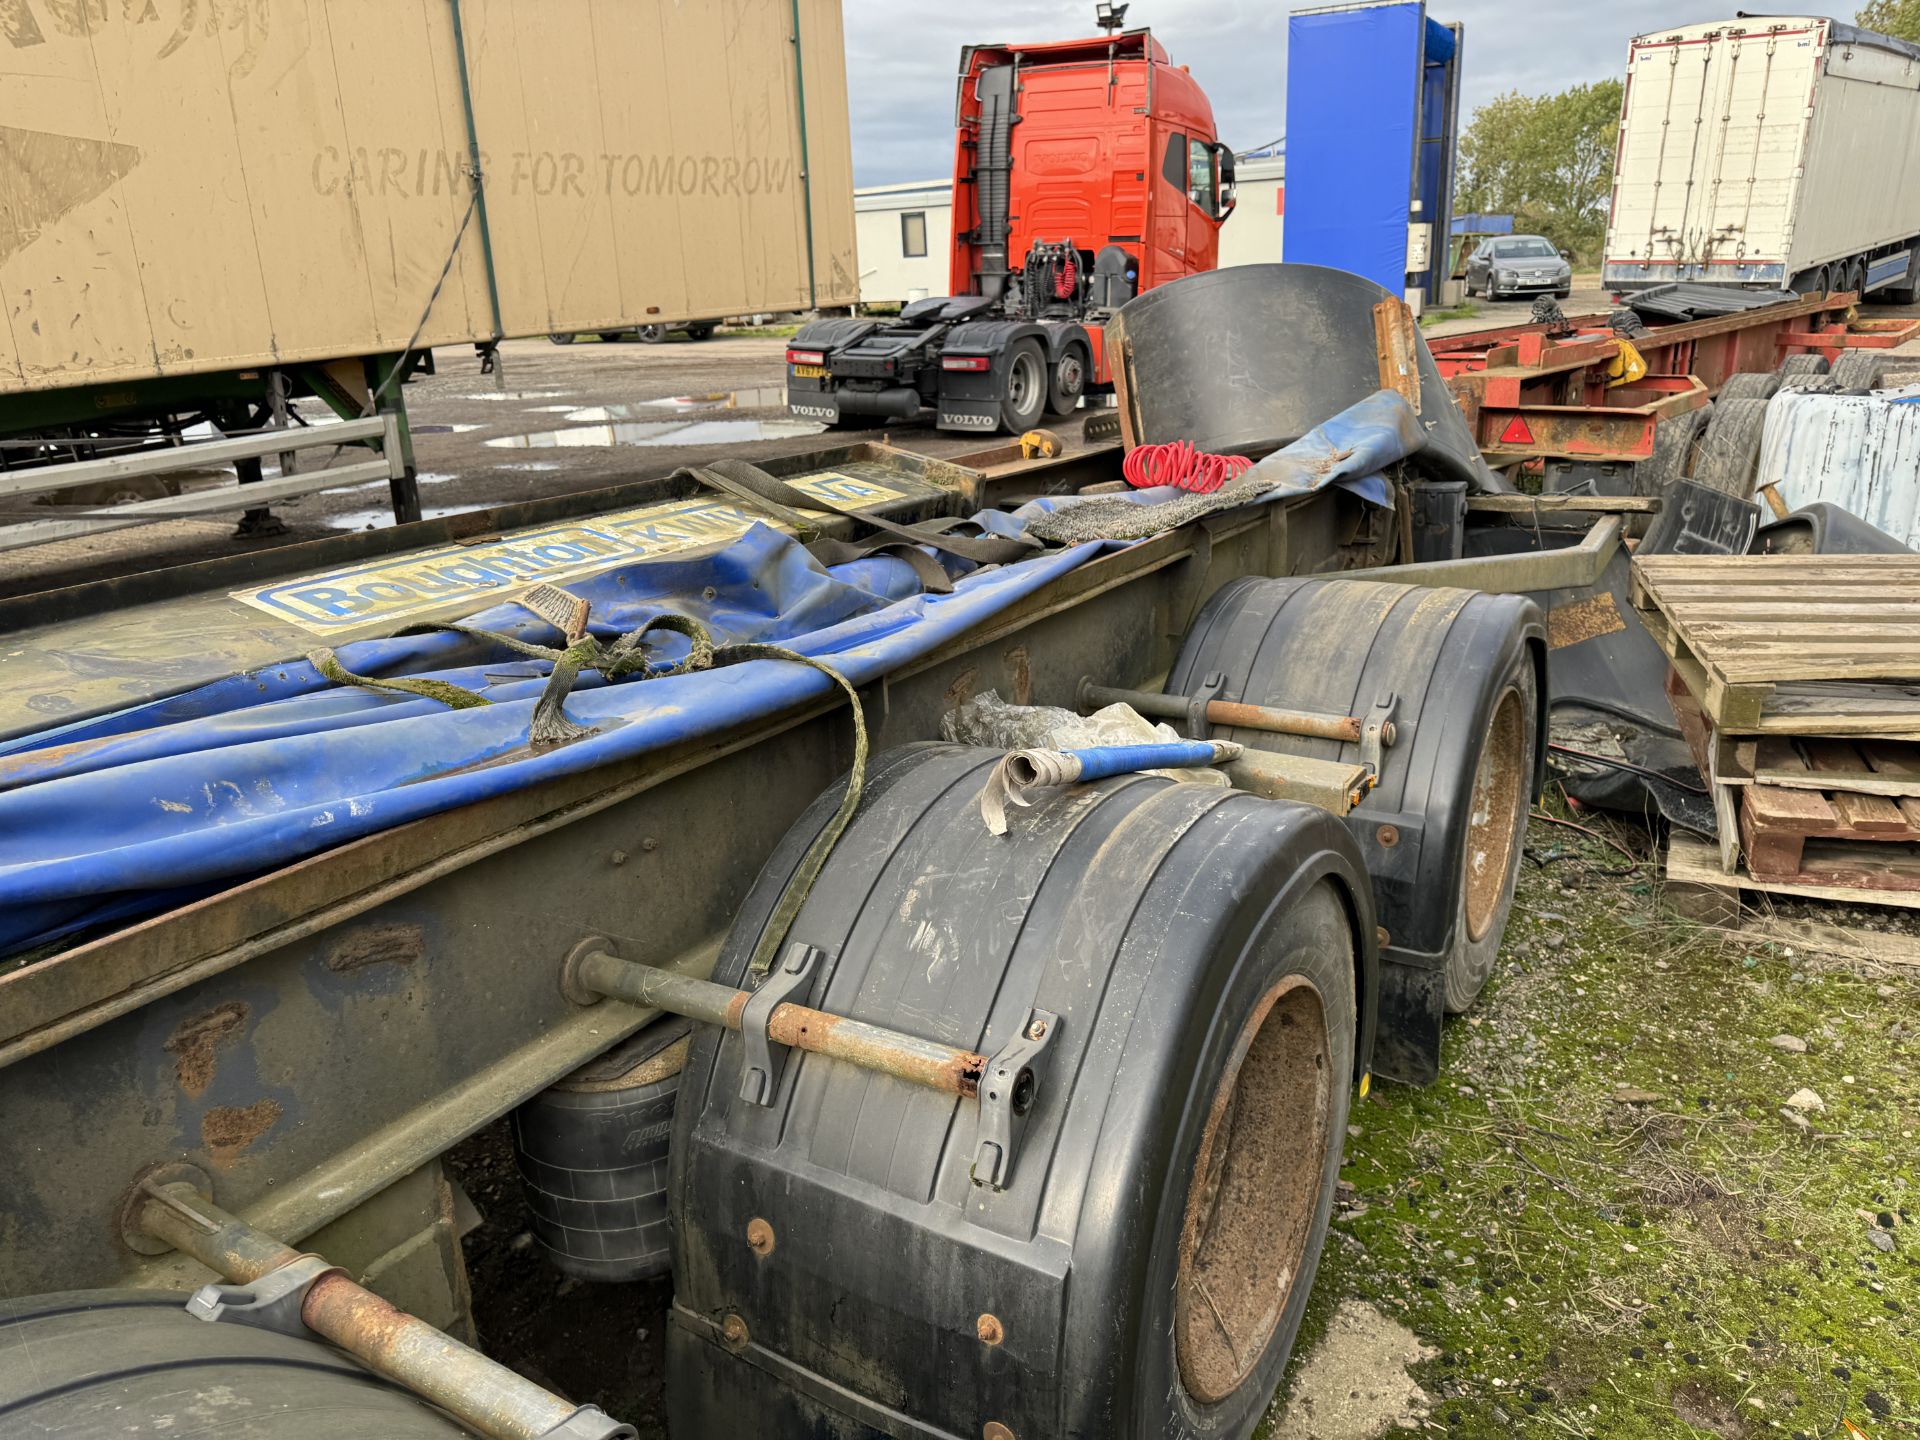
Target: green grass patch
[{"x": 1600, "y": 1215}]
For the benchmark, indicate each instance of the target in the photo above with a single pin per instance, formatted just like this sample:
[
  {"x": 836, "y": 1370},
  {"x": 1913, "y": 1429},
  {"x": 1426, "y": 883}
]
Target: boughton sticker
[{"x": 476, "y": 575}]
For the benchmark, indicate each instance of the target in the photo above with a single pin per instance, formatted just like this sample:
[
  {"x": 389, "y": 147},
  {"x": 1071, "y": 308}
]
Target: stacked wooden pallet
[{"x": 1796, "y": 680}]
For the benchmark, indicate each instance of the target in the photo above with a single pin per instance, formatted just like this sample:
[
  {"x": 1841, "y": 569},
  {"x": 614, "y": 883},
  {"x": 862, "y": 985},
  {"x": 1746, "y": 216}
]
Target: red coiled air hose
[{"x": 1177, "y": 463}]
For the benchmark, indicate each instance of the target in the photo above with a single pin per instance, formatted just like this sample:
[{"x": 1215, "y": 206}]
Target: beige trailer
[{"x": 197, "y": 187}]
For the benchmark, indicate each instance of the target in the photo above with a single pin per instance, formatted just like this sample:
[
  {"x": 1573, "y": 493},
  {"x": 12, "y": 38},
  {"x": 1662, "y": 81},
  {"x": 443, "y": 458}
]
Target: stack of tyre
[{"x": 1718, "y": 445}]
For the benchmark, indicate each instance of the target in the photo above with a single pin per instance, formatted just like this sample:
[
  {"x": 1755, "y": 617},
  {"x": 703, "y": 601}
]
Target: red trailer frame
[{"x": 1529, "y": 393}]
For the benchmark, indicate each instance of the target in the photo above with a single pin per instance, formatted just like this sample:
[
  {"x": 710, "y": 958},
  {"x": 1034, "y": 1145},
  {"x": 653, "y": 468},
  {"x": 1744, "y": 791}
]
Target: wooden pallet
[
  {"x": 1834, "y": 838},
  {"x": 1819, "y": 645},
  {"x": 1698, "y": 888}
]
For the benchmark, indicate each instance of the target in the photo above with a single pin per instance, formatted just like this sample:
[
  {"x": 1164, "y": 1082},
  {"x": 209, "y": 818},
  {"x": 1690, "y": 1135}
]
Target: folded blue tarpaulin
[{"x": 125, "y": 814}]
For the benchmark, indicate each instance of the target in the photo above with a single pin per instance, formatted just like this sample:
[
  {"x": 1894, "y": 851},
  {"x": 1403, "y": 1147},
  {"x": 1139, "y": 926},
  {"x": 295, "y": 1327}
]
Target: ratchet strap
[{"x": 754, "y": 486}]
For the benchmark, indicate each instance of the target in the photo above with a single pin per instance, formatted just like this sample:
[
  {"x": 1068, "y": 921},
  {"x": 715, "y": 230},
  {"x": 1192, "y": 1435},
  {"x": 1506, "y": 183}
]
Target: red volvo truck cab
[{"x": 1085, "y": 171}]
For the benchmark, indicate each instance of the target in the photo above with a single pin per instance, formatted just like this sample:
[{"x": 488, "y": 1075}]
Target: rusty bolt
[
  {"x": 733, "y": 1333},
  {"x": 1037, "y": 1030},
  {"x": 649, "y": 845},
  {"x": 1388, "y": 835},
  {"x": 1380, "y": 934},
  {"x": 994, "y": 1430},
  {"x": 989, "y": 1329},
  {"x": 759, "y": 1236},
  {"x": 619, "y": 857}
]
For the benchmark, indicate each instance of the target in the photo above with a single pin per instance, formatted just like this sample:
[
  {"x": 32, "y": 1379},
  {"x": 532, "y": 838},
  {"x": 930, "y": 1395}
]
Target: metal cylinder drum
[
  {"x": 843, "y": 1262},
  {"x": 592, "y": 1153}
]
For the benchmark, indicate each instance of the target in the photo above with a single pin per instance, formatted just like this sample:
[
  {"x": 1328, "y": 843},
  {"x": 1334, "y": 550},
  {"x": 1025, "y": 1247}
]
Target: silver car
[{"x": 1508, "y": 265}]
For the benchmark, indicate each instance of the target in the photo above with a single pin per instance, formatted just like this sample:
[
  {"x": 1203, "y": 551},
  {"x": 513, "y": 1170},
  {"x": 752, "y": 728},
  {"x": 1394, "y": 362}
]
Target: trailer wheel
[
  {"x": 1796, "y": 367},
  {"x": 1067, "y": 380},
  {"x": 1673, "y": 442},
  {"x": 1858, "y": 370},
  {"x": 1812, "y": 282},
  {"x": 652, "y": 334},
  {"x": 1750, "y": 385},
  {"x": 1856, "y": 277},
  {"x": 702, "y": 331},
  {"x": 562, "y": 337},
  {"x": 1450, "y": 810},
  {"x": 612, "y": 337},
  {"x": 1729, "y": 456},
  {"x": 1026, "y": 387},
  {"x": 106, "y": 1364},
  {"x": 1181, "y": 1135}
]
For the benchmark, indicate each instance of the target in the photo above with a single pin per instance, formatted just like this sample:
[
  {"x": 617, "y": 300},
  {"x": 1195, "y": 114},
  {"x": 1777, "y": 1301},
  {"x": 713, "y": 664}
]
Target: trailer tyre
[
  {"x": 1449, "y": 813},
  {"x": 562, "y": 337},
  {"x": 1801, "y": 367},
  {"x": 1858, "y": 370},
  {"x": 1496, "y": 827},
  {"x": 108, "y": 1364},
  {"x": 1026, "y": 387},
  {"x": 702, "y": 331},
  {"x": 1673, "y": 442},
  {"x": 1750, "y": 385},
  {"x": 652, "y": 334},
  {"x": 1201, "y": 948},
  {"x": 1067, "y": 380},
  {"x": 1729, "y": 455}
]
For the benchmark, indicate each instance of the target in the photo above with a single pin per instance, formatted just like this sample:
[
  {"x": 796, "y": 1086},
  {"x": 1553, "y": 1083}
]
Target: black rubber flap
[{"x": 1247, "y": 359}]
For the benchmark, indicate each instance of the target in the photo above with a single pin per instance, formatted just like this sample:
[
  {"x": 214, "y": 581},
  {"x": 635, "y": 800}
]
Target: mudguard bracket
[
  {"x": 1008, "y": 1089},
  {"x": 759, "y": 1073},
  {"x": 273, "y": 1302}
]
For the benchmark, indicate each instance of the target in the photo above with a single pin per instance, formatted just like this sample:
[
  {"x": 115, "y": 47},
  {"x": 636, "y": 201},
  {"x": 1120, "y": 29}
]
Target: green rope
[{"x": 454, "y": 696}]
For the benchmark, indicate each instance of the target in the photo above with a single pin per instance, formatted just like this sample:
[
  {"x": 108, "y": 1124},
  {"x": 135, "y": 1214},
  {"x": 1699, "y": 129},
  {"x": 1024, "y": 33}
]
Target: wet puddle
[
  {"x": 760, "y": 397},
  {"x": 659, "y": 432}
]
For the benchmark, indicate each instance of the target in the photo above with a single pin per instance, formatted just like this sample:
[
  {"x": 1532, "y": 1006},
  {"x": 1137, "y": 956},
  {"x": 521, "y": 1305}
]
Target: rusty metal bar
[
  {"x": 906, "y": 1057},
  {"x": 1226, "y": 712},
  {"x": 479, "y": 1392}
]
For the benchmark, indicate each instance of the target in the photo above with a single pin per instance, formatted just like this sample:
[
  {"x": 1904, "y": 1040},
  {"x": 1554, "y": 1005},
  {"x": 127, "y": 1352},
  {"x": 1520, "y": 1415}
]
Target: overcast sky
[{"x": 902, "y": 54}]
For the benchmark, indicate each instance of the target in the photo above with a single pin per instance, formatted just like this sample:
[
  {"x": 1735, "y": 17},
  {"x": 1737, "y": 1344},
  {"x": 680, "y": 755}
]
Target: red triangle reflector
[{"x": 1516, "y": 433}]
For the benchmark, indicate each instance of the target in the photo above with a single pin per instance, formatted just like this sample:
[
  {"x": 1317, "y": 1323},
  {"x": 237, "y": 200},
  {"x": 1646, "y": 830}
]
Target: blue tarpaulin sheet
[{"x": 126, "y": 814}]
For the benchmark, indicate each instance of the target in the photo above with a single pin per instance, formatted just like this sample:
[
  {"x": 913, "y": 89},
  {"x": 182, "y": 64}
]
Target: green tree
[
  {"x": 1898, "y": 18},
  {"x": 1548, "y": 161}
]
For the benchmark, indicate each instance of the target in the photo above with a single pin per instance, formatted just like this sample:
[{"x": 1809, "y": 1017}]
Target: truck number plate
[{"x": 809, "y": 372}]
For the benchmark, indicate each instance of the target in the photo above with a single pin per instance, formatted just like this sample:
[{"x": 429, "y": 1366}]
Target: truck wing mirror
[{"x": 1226, "y": 199}]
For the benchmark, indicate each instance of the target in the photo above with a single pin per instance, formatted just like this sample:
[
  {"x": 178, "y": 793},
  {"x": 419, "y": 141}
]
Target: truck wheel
[
  {"x": 652, "y": 334},
  {"x": 562, "y": 337},
  {"x": 1800, "y": 367},
  {"x": 1858, "y": 370},
  {"x": 106, "y": 1364},
  {"x": 1812, "y": 282},
  {"x": 1026, "y": 392},
  {"x": 1181, "y": 1135},
  {"x": 1067, "y": 381},
  {"x": 1856, "y": 278},
  {"x": 1750, "y": 385},
  {"x": 1450, "y": 810},
  {"x": 1729, "y": 456},
  {"x": 1673, "y": 442}
]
